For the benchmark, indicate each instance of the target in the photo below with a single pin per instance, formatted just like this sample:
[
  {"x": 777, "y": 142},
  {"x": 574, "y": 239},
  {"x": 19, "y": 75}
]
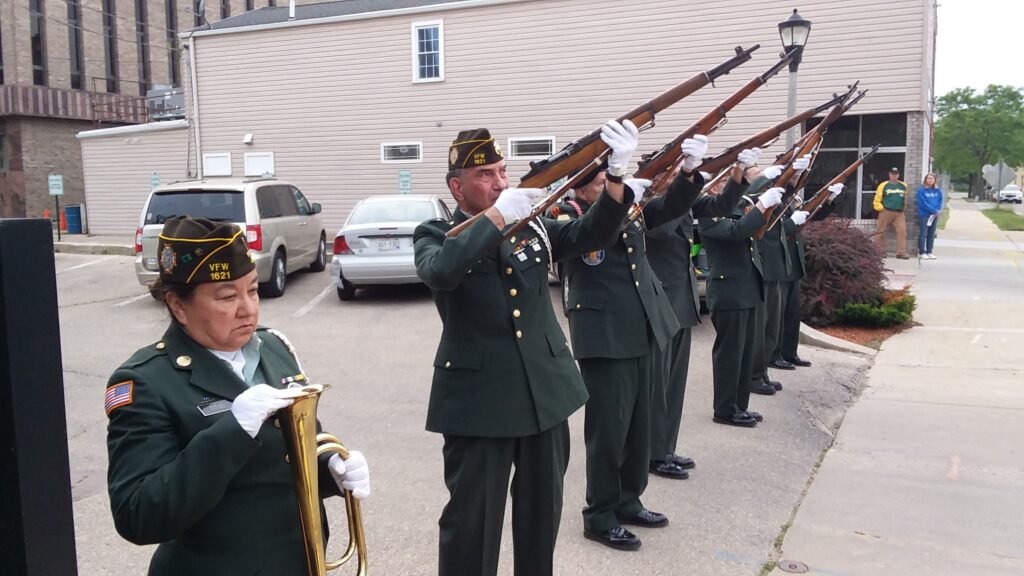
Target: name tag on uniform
[
  {"x": 522, "y": 256},
  {"x": 216, "y": 407}
]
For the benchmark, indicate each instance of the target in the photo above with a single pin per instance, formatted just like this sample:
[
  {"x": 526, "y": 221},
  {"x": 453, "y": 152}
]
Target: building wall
[
  {"x": 118, "y": 171},
  {"x": 49, "y": 147},
  {"x": 324, "y": 97}
]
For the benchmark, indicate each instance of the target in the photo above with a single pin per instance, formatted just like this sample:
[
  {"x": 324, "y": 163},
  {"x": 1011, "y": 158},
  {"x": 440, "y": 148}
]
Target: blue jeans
[{"x": 926, "y": 234}]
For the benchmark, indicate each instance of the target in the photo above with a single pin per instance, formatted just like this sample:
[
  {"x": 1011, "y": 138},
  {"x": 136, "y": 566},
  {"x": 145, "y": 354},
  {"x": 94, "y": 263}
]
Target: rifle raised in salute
[
  {"x": 814, "y": 205},
  {"x": 579, "y": 153}
]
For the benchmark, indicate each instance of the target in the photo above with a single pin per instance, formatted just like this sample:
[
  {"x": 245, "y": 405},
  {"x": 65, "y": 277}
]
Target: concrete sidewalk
[
  {"x": 121, "y": 245},
  {"x": 926, "y": 474}
]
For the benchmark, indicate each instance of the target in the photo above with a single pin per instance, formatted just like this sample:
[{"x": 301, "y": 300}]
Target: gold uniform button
[
  {"x": 513, "y": 292},
  {"x": 537, "y": 259},
  {"x": 577, "y": 306},
  {"x": 519, "y": 333},
  {"x": 508, "y": 271},
  {"x": 624, "y": 235},
  {"x": 160, "y": 345},
  {"x": 637, "y": 284},
  {"x": 721, "y": 277},
  {"x": 632, "y": 266},
  {"x": 277, "y": 423},
  {"x": 183, "y": 361},
  {"x": 447, "y": 364},
  {"x": 516, "y": 313},
  {"x": 629, "y": 250}
]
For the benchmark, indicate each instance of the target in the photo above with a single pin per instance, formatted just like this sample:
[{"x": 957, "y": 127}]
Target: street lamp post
[{"x": 794, "y": 32}]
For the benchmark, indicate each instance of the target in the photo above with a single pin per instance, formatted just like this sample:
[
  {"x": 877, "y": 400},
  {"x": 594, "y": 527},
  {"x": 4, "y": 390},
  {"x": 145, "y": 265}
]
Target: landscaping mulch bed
[{"x": 870, "y": 337}]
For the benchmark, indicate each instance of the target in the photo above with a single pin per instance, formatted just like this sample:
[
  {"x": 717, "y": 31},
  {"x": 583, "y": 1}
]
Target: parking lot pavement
[{"x": 377, "y": 351}]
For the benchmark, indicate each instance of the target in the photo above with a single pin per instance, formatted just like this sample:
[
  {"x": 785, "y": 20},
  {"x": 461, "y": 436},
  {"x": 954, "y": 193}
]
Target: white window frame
[
  {"x": 385, "y": 160},
  {"x": 251, "y": 166},
  {"x": 217, "y": 164},
  {"x": 511, "y": 147},
  {"x": 415, "y": 26}
]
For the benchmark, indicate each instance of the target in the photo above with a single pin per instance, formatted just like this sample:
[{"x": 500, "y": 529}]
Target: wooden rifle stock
[
  {"x": 818, "y": 200},
  {"x": 796, "y": 152},
  {"x": 763, "y": 138},
  {"x": 579, "y": 153},
  {"x": 660, "y": 167}
]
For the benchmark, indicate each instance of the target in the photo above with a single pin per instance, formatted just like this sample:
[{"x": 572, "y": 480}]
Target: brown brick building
[{"x": 73, "y": 65}]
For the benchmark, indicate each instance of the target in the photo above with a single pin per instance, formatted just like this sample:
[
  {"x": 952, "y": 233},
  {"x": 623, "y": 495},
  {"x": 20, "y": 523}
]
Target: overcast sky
[{"x": 980, "y": 43}]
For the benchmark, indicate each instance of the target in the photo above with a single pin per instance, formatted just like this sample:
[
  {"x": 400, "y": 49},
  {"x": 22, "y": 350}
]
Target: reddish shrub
[{"x": 843, "y": 267}]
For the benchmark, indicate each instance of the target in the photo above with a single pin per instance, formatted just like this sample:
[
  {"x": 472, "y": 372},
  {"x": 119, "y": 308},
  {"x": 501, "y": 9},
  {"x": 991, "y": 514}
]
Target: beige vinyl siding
[
  {"x": 323, "y": 97},
  {"x": 117, "y": 171}
]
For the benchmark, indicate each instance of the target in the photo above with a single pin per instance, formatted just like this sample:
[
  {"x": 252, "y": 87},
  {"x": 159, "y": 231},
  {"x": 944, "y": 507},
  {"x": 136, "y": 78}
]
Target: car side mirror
[{"x": 316, "y": 208}]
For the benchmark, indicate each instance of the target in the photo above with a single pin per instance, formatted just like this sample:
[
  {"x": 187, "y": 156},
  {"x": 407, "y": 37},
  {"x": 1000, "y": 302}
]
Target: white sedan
[
  {"x": 1011, "y": 193},
  {"x": 374, "y": 246}
]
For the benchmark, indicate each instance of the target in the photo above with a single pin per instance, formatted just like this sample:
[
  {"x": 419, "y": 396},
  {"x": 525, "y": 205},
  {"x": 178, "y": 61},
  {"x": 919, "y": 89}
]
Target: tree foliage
[{"x": 974, "y": 129}]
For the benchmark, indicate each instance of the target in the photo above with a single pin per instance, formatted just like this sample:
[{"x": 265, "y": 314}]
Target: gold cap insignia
[{"x": 183, "y": 361}]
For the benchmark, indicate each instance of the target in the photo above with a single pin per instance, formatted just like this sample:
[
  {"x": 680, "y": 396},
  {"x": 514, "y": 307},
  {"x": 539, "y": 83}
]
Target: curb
[
  {"x": 83, "y": 248},
  {"x": 812, "y": 337}
]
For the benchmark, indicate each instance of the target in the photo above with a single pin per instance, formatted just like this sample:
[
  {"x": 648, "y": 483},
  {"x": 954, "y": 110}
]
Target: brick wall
[
  {"x": 50, "y": 147},
  {"x": 914, "y": 169}
]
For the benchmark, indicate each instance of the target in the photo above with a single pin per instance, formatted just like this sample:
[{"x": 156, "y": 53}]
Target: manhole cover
[{"x": 793, "y": 567}]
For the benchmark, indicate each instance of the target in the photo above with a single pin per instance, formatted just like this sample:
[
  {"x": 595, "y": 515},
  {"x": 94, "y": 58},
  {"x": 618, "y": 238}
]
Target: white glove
[
  {"x": 801, "y": 163},
  {"x": 799, "y": 217},
  {"x": 694, "y": 150},
  {"x": 638, "y": 186},
  {"x": 835, "y": 190},
  {"x": 352, "y": 474},
  {"x": 748, "y": 158},
  {"x": 516, "y": 203},
  {"x": 252, "y": 407},
  {"x": 771, "y": 197},
  {"x": 773, "y": 172},
  {"x": 623, "y": 140}
]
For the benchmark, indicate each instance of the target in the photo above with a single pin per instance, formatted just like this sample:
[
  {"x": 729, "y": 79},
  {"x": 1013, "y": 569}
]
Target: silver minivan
[{"x": 281, "y": 226}]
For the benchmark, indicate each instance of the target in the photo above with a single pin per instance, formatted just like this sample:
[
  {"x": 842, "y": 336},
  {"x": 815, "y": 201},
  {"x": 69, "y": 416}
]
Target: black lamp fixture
[{"x": 794, "y": 32}]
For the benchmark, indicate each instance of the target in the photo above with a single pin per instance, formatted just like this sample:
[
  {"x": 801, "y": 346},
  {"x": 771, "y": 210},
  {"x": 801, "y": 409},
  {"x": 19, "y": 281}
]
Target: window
[
  {"x": 428, "y": 51},
  {"x": 285, "y": 200},
  {"x": 1, "y": 53},
  {"x": 531, "y": 148},
  {"x": 271, "y": 3},
  {"x": 217, "y": 164},
  {"x": 110, "y": 43},
  {"x": 199, "y": 12},
  {"x": 3, "y": 149},
  {"x": 38, "y": 30},
  {"x": 75, "y": 56},
  {"x": 173, "y": 52},
  {"x": 225, "y": 206},
  {"x": 444, "y": 209},
  {"x": 304, "y": 207},
  {"x": 250, "y": 5},
  {"x": 259, "y": 163},
  {"x": 225, "y": 9},
  {"x": 847, "y": 140},
  {"x": 266, "y": 200},
  {"x": 142, "y": 41},
  {"x": 401, "y": 152}
]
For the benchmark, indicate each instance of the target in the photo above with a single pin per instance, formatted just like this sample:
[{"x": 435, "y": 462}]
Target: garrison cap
[
  {"x": 473, "y": 148},
  {"x": 592, "y": 173},
  {"x": 195, "y": 250}
]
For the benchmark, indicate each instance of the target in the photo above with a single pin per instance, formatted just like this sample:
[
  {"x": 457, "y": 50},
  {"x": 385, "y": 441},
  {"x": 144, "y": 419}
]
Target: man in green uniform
[
  {"x": 890, "y": 201},
  {"x": 504, "y": 379},
  {"x": 735, "y": 289},
  {"x": 789, "y": 290},
  {"x": 618, "y": 313},
  {"x": 669, "y": 252}
]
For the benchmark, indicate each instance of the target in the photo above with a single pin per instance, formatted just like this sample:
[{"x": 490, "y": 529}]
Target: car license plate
[{"x": 389, "y": 244}]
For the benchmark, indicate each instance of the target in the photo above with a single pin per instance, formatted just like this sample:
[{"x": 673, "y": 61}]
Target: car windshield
[
  {"x": 218, "y": 205},
  {"x": 385, "y": 212},
  {"x": 1012, "y": 188}
]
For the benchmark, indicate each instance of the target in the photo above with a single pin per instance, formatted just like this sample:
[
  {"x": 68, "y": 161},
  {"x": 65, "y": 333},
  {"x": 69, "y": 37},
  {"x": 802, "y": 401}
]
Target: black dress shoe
[
  {"x": 781, "y": 364},
  {"x": 762, "y": 388},
  {"x": 775, "y": 384},
  {"x": 755, "y": 415},
  {"x": 681, "y": 461},
  {"x": 618, "y": 538},
  {"x": 738, "y": 419},
  {"x": 798, "y": 361},
  {"x": 668, "y": 469},
  {"x": 647, "y": 519}
]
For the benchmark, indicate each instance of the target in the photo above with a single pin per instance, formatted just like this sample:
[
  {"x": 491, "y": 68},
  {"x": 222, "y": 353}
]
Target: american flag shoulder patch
[{"x": 118, "y": 395}]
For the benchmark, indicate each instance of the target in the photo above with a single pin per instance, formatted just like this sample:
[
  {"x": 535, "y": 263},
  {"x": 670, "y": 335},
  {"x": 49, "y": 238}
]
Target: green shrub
[{"x": 873, "y": 315}]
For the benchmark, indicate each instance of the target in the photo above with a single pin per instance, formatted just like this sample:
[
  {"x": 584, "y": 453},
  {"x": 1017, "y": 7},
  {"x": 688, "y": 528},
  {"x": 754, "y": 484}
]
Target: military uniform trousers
[
  {"x": 673, "y": 364},
  {"x": 476, "y": 471},
  {"x": 617, "y": 433},
  {"x": 732, "y": 359},
  {"x": 790, "y": 296},
  {"x": 769, "y": 328}
]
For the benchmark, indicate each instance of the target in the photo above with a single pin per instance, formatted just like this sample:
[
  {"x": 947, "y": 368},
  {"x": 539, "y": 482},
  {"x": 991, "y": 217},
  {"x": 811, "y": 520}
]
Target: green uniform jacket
[
  {"x": 614, "y": 295},
  {"x": 503, "y": 367},
  {"x": 735, "y": 281},
  {"x": 668, "y": 250},
  {"x": 774, "y": 251},
  {"x": 219, "y": 502},
  {"x": 795, "y": 250}
]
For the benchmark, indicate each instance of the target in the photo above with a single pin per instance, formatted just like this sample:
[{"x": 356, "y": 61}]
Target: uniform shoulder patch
[
  {"x": 593, "y": 258},
  {"x": 118, "y": 395}
]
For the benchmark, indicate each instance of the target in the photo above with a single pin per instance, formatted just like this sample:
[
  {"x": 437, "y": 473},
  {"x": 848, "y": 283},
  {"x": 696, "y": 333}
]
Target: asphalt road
[{"x": 377, "y": 352}]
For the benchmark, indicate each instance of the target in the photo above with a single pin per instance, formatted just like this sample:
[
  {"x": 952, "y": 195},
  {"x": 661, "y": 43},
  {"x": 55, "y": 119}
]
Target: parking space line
[
  {"x": 132, "y": 299},
  {"x": 313, "y": 303},
  {"x": 84, "y": 265}
]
